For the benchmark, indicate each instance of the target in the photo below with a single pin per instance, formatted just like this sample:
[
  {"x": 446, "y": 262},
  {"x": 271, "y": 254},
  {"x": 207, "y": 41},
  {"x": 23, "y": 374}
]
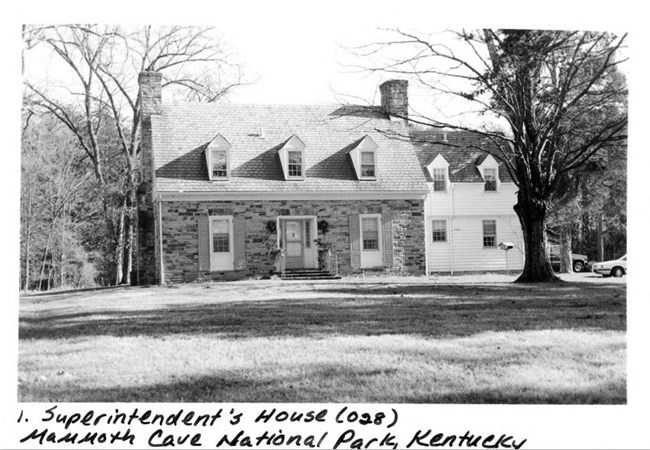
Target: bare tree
[
  {"x": 104, "y": 63},
  {"x": 540, "y": 85}
]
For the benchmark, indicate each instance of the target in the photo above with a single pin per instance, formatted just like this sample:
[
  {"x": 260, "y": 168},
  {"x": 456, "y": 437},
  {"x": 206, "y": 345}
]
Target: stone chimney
[
  {"x": 150, "y": 93},
  {"x": 394, "y": 98},
  {"x": 148, "y": 262}
]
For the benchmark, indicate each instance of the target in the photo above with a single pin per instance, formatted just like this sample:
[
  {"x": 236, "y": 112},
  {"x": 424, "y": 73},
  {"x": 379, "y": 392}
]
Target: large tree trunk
[
  {"x": 537, "y": 267},
  {"x": 119, "y": 249},
  {"x": 131, "y": 227},
  {"x": 128, "y": 250}
]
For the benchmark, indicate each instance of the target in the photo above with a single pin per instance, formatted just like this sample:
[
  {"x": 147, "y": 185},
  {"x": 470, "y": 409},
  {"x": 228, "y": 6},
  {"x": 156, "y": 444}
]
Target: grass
[{"x": 389, "y": 340}]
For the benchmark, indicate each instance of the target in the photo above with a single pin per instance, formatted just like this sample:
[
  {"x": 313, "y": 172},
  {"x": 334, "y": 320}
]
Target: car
[
  {"x": 580, "y": 262},
  {"x": 614, "y": 268}
]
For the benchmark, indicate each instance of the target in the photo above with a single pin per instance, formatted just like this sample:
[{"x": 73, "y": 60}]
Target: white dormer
[
  {"x": 217, "y": 158},
  {"x": 439, "y": 170},
  {"x": 489, "y": 169},
  {"x": 292, "y": 158},
  {"x": 364, "y": 158}
]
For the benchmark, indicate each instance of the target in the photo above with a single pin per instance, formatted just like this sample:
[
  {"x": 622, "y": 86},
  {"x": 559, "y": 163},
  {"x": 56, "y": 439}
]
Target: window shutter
[
  {"x": 355, "y": 244},
  {"x": 387, "y": 221},
  {"x": 239, "y": 242},
  {"x": 204, "y": 243}
]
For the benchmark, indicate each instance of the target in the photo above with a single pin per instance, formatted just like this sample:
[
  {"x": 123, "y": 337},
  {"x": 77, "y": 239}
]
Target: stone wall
[{"x": 181, "y": 247}]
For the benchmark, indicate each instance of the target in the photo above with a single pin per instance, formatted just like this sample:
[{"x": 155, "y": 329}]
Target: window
[
  {"x": 490, "y": 179},
  {"x": 307, "y": 233},
  {"x": 219, "y": 164},
  {"x": 295, "y": 163},
  {"x": 217, "y": 158},
  {"x": 489, "y": 233},
  {"x": 439, "y": 230},
  {"x": 440, "y": 179},
  {"x": 220, "y": 236},
  {"x": 370, "y": 233},
  {"x": 363, "y": 156},
  {"x": 368, "y": 164}
]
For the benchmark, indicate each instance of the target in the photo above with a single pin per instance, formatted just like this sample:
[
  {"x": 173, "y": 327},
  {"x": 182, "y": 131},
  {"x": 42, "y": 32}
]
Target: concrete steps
[{"x": 308, "y": 274}]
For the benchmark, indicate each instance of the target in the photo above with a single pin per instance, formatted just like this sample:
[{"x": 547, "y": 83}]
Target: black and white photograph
[{"x": 287, "y": 225}]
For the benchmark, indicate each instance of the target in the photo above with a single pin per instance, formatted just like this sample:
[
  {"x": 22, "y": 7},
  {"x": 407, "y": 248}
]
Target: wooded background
[{"x": 80, "y": 132}]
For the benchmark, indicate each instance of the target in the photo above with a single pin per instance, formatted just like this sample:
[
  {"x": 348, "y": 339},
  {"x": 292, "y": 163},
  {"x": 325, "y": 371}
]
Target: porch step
[{"x": 309, "y": 274}]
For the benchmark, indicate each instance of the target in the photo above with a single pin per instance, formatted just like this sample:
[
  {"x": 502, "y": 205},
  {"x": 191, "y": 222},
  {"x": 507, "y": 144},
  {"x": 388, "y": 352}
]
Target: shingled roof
[
  {"x": 256, "y": 132},
  {"x": 458, "y": 149}
]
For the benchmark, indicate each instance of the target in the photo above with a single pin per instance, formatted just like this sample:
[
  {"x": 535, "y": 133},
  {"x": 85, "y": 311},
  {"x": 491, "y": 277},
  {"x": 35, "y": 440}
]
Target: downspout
[
  {"x": 160, "y": 242},
  {"x": 451, "y": 228},
  {"x": 427, "y": 211}
]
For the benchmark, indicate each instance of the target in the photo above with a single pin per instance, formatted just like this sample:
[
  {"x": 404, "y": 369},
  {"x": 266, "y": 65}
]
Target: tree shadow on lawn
[
  {"x": 427, "y": 310},
  {"x": 316, "y": 387},
  {"x": 315, "y": 384}
]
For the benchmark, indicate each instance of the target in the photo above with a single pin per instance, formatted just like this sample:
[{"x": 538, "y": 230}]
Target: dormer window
[
  {"x": 295, "y": 164},
  {"x": 490, "y": 177},
  {"x": 367, "y": 164},
  {"x": 292, "y": 158},
  {"x": 217, "y": 158},
  {"x": 440, "y": 179},
  {"x": 489, "y": 169},
  {"x": 439, "y": 170},
  {"x": 219, "y": 164},
  {"x": 364, "y": 158}
]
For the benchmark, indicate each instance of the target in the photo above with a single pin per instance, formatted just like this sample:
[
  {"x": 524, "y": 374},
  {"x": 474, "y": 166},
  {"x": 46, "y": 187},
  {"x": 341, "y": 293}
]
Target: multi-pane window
[
  {"x": 220, "y": 236},
  {"x": 370, "y": 233},
  {"x": 367, "y": 164},
  {"x": 219, "y": 164},
  {"x": 440, "y": 179},
  {"x": 489, "y": 233},
  {"x": 307, "y": 234},
  {"x": 295, "y": 163},
  {"x": 439, "y": 230},
  {"x": 490, "y": 179}
]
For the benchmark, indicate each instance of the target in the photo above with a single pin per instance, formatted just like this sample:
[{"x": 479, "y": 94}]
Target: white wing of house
[{"x": 469, "y": 208}]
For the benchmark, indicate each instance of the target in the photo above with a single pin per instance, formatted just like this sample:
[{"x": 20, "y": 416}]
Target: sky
[
  {"x": 300, "y": 52},
  {"x": 293, "y": 49}
]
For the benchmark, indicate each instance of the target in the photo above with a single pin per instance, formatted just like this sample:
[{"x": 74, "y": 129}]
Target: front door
[{"x": 294, "y": 246}]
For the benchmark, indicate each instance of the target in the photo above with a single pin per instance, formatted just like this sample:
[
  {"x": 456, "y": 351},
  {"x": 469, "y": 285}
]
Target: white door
[
  {"x": 221, "y": 243},
  {"x": 371, "y": 245},
  {"x": 294, "y": 245}
]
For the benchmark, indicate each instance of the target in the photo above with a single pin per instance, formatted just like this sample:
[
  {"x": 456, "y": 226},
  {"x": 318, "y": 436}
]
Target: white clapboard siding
[
  {"x": 469, "y": 197},
  {"x": 464, "y": 249}
]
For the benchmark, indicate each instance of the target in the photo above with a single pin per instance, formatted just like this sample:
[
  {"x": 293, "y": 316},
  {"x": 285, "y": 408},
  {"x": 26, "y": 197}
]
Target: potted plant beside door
[
  {"x": 274, "y": 251},
  {"x": 324, "y": 248}
]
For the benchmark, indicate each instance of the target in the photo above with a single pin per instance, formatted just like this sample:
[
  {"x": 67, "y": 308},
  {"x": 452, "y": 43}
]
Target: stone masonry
[
  {"x": 180, "y": 233},
  {"x": 146, "y": 262}
]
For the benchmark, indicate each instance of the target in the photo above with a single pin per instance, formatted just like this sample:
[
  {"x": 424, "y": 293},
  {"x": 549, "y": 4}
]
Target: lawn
[{"x": 473, "y": 339}]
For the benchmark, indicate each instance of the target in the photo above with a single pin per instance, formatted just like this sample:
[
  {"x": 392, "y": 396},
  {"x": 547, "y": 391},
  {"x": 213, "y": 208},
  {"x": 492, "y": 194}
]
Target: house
[
  {"x": 221, "y": 181},
  {"x": 469, "y": 206}
]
